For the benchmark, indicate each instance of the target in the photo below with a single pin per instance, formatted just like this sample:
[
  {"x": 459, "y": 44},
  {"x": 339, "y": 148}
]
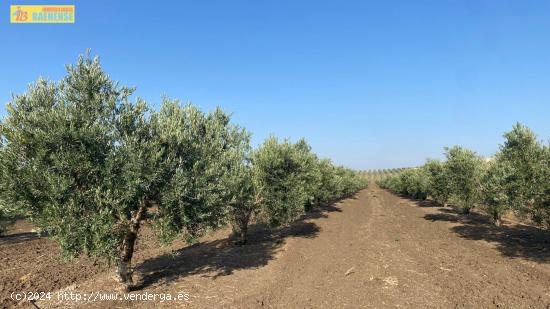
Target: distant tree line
[{"x": 376, "y": 175}]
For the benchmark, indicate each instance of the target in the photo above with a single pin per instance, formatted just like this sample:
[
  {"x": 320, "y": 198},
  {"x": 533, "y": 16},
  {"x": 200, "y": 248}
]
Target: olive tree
[
  {"x": 496, "y": 191},
  {"x": 6, "y": 212},
  {"x": 281, "y": 177},
  {"x": 392, "y": 183},
  {"x": 464, "y": 169},
  {"x": 437, "y": 178},
  {"x": 415, "y": 183},
  {"x": 542, "y": 202},
  {"x": 412, "y": 182},
  {"x": 331, "y": 182},
  {"x": 309, "y": 173},
  {"x": 88, "y": 166},
  {"x": 525, "y": 153},
  {"x": 327, "y": 183},
  {"x": 274, "y": 184},
  {"x": 244, "y": 202}
]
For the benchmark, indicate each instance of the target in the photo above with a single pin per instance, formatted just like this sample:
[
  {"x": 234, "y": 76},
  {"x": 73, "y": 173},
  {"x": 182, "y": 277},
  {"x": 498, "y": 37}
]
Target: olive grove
[{"x": 89, "y": 165}]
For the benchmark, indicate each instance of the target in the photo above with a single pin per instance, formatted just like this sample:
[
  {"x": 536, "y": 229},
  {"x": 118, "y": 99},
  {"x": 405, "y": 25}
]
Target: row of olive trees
[
  {"x": 279, "y": 180},
  {"x": 88, "y": 166},
  {"x": 515, "y": 179},
  {"x": 380, "y": 174}
]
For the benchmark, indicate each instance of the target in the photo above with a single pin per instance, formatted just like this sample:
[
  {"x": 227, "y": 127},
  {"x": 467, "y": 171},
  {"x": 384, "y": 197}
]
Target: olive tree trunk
[
  {"x": 242, "y": 219},
  {"x": 126, "y": 250}
]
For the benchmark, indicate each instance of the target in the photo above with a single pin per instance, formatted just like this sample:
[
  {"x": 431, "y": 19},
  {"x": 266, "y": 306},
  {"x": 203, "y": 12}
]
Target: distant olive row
[
  {"x": 379, "y": 174},
  {"x": 89, "y": 165},
  {"x": 514, "y": 179}
]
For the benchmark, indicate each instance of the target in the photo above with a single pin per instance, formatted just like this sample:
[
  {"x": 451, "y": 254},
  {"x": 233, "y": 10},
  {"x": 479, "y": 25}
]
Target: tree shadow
[
  {"x": 512, "y": 240},
  {"x": 427, "y": 203},
  {"x": 222, "y": 257},
  {"x": 320, "y": 211},
  {"x": 419, "y": 202},
  {"x": 19, "y": 238},
  {"x": 450, "y": 210}
]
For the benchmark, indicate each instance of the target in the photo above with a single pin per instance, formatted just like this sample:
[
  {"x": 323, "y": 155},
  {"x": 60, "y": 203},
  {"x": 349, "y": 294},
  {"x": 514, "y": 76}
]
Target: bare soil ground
[{"x": 376, "y": 250}]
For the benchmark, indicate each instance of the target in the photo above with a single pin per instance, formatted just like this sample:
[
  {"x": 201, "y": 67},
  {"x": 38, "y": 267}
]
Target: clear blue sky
[{"x": 369, "y": 84}]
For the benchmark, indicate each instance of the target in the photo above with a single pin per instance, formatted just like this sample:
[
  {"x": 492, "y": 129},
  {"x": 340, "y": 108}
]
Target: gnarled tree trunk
[
  {"x": 242, "y": 218},
  {"x": 126, "y": 250}
]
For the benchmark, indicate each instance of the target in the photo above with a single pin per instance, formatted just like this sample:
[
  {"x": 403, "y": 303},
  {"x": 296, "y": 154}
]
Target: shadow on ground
[
  {"x": 19, "y": 238},
  {"x": 221, "y": 257},
  {"x": 420, "y": 203},
  {"x": 512, "y": 240}
]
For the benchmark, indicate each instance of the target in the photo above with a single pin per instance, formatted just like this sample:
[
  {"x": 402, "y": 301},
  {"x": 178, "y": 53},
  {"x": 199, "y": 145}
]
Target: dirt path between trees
[{"x": 376, "y": 250}]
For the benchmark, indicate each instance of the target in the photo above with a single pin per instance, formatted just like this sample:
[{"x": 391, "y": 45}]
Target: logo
[
  {"x": 52, "y": 14},
  {"x": 20, "y": 16}
]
